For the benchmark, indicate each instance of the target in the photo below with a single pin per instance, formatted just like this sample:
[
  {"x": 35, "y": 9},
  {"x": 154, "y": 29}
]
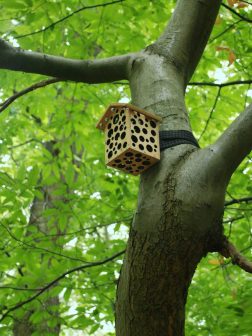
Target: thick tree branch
[
  {"x": 21, "y": 93},
  {"x": 53, "y": 282},
  {"x": 86, "y": 71},
  {"x": 234, "y": 144},
  {"x": 187, "y": 33},
  {"x": 228, "y": 250}
]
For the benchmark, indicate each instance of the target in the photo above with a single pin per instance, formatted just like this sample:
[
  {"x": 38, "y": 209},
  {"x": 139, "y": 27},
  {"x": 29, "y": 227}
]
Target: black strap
[{"x": 173, "y": 138}]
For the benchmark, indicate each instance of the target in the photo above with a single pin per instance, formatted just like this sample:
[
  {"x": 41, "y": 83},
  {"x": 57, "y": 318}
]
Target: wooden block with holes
[{"x": 131, "y": 138}]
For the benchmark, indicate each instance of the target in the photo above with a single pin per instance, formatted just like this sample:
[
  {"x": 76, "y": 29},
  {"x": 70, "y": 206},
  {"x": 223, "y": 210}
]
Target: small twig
[
  {"x": 240, "y": 200},
  {"x": 228, "y": 250},
  {"x": 50, "y": 284},
  {"x": 221, "y": 85},
  {"x": 21, "y": 288},
  {"x": 236, "y": 13},
  {"x": 24, "y": 143},
  {"x": 40, "y": 248},
  {"x": 67, "y": 17},
  {"x": 211, "y": 113},
  {"x": 21, "y": 93},
  {"x": 224, "y": 31},
  {"x": 233, "y": 219}
]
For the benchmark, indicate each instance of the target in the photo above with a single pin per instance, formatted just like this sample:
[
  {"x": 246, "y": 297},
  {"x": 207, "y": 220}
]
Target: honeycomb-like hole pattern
[
  {"x": 116, "y": 141},
  {"x": 144, "y": 133},
  {"x": 132, "y": 162}
]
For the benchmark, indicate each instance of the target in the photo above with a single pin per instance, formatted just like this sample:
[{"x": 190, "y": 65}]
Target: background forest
[{"x": 64, "y": 216}]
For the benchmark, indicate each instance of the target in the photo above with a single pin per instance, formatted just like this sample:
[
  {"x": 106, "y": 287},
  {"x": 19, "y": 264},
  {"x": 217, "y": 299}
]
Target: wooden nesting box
[{"x": 131, "y": 138}]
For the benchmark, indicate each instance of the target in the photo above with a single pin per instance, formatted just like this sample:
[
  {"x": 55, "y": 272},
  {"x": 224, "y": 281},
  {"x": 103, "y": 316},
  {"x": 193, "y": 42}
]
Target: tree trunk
[
  {"x": 25, "y": 327},
  {"x": 178, "y": 219}
]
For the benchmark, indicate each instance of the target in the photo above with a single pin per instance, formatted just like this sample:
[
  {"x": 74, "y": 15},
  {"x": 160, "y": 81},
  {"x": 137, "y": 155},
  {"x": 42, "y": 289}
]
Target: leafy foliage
[{"x": 61, "y": 207}]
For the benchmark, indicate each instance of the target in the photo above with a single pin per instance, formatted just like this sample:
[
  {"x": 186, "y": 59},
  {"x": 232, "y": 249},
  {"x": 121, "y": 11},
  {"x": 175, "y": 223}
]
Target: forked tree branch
[
  {"x": 234, "y": 144},
  {"x": 86, "y": 71},
  {"x": 228, "y": 250},
  {"x": 187, "y": 33},
  {"x": 31, "y": 88},
  {"x": 221, "y": 85},
  {"x": 56, "y": 280}
]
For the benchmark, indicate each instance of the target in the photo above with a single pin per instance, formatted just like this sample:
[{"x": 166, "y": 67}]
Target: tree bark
[
  {"x": 180, "y": 205},
  {"x": 178, "y": 219}
]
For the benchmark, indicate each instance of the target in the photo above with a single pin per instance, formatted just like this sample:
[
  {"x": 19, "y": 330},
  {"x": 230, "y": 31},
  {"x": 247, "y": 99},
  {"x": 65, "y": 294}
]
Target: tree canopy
[{"x": 65, "y": 216}]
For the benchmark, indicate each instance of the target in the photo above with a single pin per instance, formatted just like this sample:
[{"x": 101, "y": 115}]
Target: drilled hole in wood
[
  {"x": 141, "y": 147},
  {"x": 128, "y": 154},
  {"x": 137, "y": 129},
  {"x": 153, "y": 123},
  {"x": 116, "y": 119},
  {"x": 134, "y": 138},
  {"x": 145, "y": 131},
  {"x": 141, "y": 138},
  {"x": 149, "y": 148}
]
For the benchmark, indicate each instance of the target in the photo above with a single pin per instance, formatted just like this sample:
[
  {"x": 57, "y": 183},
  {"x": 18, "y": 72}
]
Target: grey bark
[
  {"x": 181, "y": 199},
  {"x": 87, "y": 71}
]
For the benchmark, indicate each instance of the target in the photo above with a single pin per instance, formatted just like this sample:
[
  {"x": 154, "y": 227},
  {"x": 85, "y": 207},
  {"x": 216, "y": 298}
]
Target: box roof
[{"x": 106, "y": 116}]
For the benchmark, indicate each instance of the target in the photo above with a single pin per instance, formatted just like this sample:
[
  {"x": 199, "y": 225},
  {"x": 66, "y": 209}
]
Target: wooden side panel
[{"x": 131, "y": 139}]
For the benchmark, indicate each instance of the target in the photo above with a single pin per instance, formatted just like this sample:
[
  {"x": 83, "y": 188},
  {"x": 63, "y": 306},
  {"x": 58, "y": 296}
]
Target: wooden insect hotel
[{"x": 131, "y": 138}]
